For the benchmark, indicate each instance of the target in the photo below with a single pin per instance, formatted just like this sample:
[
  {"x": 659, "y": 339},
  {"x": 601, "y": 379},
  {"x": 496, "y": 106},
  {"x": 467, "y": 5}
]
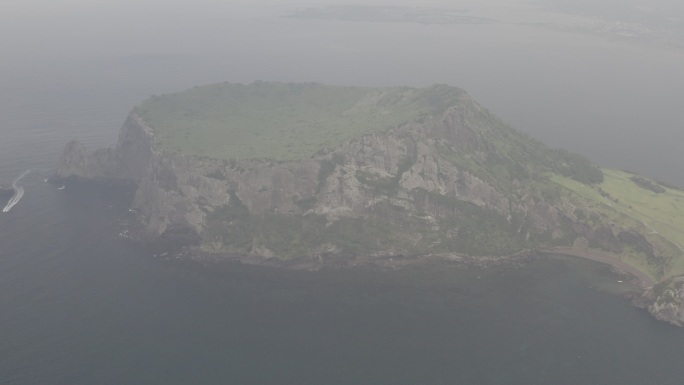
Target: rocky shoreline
[
  {"x": 337, "y": 261},
  {"x": 183, "y": 248},
  {"x": 180, "y": 249},
  {"x": 182, "y": 252}
]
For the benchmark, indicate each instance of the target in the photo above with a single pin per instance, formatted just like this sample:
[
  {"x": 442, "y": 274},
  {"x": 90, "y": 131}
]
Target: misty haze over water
[
  {"x": 614, "y": 99},
  {"x": 553, "y": 69}
]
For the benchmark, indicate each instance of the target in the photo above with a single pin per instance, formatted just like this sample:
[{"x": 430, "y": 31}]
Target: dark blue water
[{"x": 79, "y": 305}]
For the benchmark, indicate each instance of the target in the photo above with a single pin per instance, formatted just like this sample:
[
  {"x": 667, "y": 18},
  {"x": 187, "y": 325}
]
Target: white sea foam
[{"x": 18, "y": 193}]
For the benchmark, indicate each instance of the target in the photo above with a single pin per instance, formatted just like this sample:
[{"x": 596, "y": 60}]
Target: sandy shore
[{"x": 644, "y": 280}]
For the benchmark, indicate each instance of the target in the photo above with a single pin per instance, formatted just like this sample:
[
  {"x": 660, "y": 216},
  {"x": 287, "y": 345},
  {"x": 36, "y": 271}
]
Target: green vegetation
[
  {"x": 647, "y": 184},
  {"x": 577, "y": 167},
  {"x": 659, "y": 216},
  {"x": 290, "y": 236},
  {"x": 474, "y": 230},
  {"x": 283, "y": 121},
  {"x": 500, "y": 155},
  {"x": 286, "y": 121},
  {"x": 470, "y": 230}
]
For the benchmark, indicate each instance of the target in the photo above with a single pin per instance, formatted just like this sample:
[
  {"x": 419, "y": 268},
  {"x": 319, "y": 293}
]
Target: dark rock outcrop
[
  {"x": 125, "y": 162},
  {"x": 665, "y": 300}
]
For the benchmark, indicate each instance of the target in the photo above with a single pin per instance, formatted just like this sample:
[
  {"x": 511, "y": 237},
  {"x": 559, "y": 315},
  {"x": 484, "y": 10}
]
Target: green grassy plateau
[{"x": 283, "y": 121}]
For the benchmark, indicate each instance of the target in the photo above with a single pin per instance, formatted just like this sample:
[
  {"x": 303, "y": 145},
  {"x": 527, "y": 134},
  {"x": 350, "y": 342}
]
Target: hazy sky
[
  {"x": 35, "y": 29},
  {"x": 560, "y": 85}
]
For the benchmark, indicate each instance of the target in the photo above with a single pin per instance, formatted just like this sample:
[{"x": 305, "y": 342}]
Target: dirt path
[{"x": 645, "y": 281}]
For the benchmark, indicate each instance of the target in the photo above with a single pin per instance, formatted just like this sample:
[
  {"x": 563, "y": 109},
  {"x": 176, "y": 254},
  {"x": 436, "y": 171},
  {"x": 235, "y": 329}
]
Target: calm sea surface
[{"x": 80, "y": 306}]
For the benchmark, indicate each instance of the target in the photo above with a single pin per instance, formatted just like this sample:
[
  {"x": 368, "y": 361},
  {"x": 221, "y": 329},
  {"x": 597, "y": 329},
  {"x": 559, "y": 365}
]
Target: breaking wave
[{"x": 18, "y": 193}]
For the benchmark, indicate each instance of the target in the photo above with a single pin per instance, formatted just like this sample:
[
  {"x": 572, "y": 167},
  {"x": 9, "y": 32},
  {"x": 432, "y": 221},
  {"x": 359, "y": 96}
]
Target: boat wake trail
[{"x": 18, "y": 193}]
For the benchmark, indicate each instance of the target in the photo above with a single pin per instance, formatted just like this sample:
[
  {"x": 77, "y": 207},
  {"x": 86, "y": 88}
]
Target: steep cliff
[
  {"x": 126, "y": 162},
  {"x": 443, "y": 175}
]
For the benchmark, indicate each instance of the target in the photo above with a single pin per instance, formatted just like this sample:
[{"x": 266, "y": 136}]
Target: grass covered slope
[
  {"x": 283, "y": 121},
  {"x": 656, "y": 210}
]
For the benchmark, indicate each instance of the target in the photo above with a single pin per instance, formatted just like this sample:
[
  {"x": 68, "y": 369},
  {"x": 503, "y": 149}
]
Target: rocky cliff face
[
  {"x": 440, "y": 185},
  {"x": 665, "y": 300},
  {"x": 126, "y": 162}
]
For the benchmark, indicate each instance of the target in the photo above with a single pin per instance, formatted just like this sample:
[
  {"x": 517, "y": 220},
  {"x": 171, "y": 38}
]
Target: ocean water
[{"x": 79, "y": 305}]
